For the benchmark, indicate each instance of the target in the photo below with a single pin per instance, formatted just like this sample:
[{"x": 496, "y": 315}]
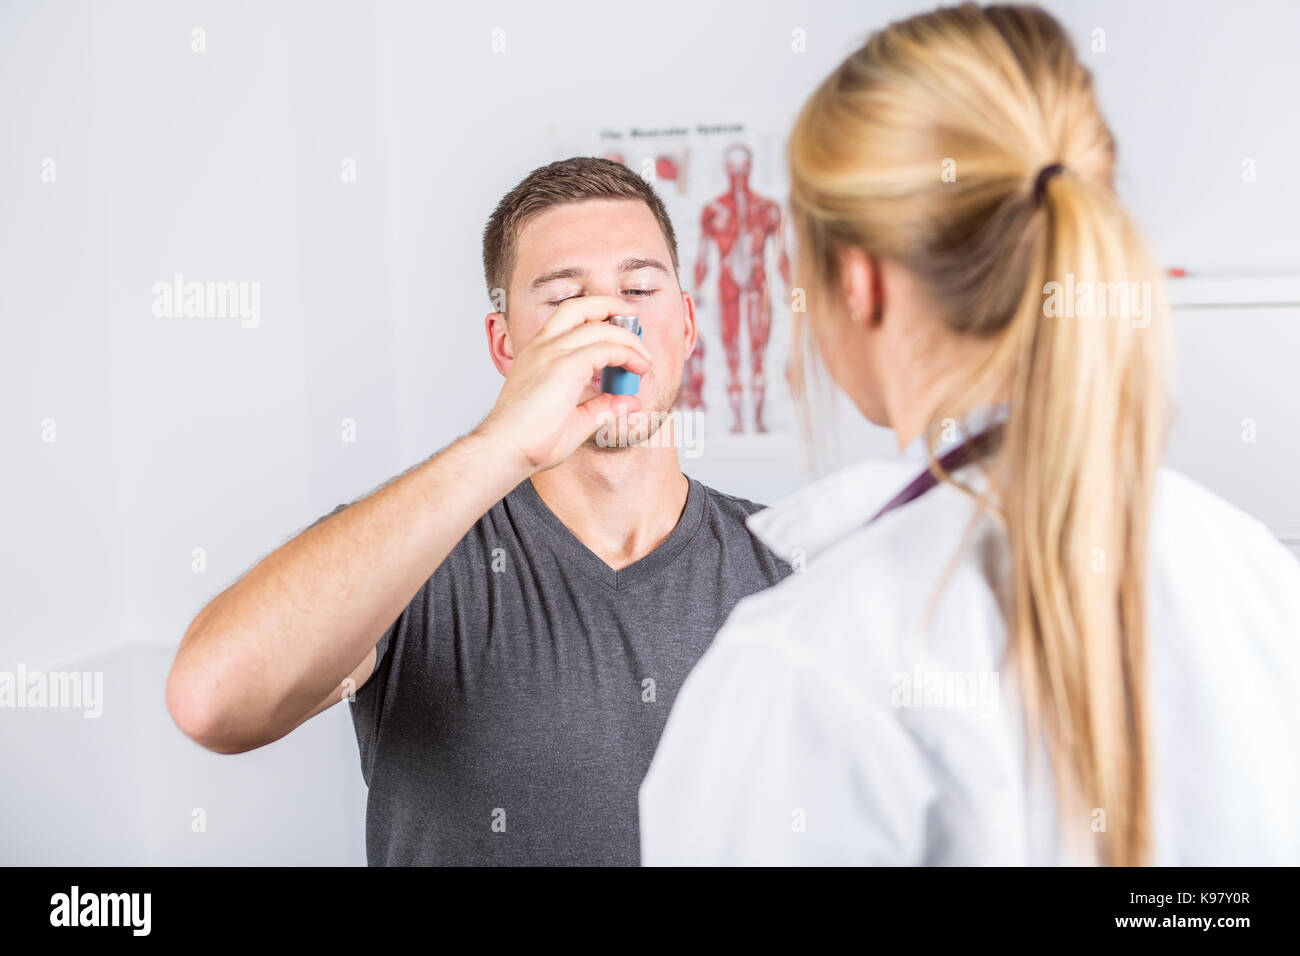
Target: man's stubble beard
[{"x": 661, "y": 413}]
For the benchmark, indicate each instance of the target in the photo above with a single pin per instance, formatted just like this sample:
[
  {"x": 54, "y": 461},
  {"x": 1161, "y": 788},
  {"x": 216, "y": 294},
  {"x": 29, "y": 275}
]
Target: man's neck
[{"x": 620, "y": 504}]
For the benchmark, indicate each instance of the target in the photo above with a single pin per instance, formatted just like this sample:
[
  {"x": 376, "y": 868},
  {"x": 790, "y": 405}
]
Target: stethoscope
[{"x": 973, "y": 448}]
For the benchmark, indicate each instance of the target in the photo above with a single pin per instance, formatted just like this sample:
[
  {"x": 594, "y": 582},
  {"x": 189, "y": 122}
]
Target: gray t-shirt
[{"x": 517, "y": 701}]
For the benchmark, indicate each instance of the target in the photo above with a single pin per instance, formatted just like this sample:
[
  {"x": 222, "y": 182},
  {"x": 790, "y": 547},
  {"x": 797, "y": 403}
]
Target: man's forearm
[{"x": 267, "y": 650}]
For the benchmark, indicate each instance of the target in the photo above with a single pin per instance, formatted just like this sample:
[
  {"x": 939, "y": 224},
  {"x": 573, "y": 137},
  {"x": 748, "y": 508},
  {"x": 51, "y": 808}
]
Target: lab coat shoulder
[
  {"x": 1225, "y": 594},
  {"x": 764, "y": 758},
  {"x": 1224, "y": 667},
  {"x": 1217, "y": 557},
  {"x": 787, "y": 743},
  {"x": 883, "y": 593}
]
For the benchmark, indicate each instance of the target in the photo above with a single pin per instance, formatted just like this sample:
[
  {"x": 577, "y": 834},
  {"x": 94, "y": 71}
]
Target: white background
[{"x": 178, "y": 434}]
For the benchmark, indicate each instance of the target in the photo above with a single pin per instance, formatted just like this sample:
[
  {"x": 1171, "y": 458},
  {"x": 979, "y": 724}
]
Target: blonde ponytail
[
  {"x": 1060, "y": 279},
  {"x": 1077, "y": 473}
]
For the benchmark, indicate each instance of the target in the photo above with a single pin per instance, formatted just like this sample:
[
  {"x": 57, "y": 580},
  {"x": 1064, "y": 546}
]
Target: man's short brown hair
[{"x": 563, "y": 181}]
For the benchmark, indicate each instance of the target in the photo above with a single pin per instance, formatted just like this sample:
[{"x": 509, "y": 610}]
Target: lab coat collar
[{"x": 818, "y": 515}]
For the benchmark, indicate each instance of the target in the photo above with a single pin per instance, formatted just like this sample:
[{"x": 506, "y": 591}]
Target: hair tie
[{"x": 1044, "y": 174}]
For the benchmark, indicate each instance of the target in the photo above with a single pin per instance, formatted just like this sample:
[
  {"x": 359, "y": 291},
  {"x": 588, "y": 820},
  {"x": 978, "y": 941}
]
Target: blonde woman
[{"x": 1039, "y": 645}]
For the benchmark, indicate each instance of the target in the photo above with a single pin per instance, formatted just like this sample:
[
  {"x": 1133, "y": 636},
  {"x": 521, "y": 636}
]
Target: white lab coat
[{"x": 789, "y": 742}]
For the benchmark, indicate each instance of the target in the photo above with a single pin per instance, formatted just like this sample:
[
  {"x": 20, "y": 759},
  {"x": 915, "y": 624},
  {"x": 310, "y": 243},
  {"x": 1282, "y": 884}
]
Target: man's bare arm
[{"x": 264, "y": 654}]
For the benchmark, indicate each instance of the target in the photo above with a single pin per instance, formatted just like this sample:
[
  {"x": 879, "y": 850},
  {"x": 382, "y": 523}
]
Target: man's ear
[
  {"x": 499, "y": 345},
  {"x": 690, "y": 331}
]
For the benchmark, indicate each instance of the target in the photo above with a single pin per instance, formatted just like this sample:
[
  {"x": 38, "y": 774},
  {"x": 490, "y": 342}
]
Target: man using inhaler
[{"x": 511, "y": 619}]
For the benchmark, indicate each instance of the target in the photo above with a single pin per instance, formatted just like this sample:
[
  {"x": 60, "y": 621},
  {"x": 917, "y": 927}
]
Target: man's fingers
[
  {"x": 580, "y": 309},
  {"x": 605, "y": 407},
  {"x": 592, "y": 358},
  {"x": 593, "y": 332}
]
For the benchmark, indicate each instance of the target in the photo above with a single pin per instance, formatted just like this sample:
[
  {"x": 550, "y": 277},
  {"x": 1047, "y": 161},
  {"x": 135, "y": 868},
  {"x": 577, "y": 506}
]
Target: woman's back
[{"x": 890, "y": 731}]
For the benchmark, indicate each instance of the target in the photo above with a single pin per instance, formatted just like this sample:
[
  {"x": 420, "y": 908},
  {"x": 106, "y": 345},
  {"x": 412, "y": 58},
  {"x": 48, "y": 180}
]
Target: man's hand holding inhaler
[{"x": 538, "y": 414}]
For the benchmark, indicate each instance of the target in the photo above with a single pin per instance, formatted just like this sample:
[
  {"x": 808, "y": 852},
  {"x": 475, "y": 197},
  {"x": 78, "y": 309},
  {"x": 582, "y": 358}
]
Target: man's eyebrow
[
  {"x": 567, "y": 272},
  {"x": 631, "y": 264}
]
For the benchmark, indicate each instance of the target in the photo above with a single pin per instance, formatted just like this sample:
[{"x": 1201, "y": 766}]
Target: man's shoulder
[
  {"x": 731, "y": 505},
  {"x": 727, "y": 515}
]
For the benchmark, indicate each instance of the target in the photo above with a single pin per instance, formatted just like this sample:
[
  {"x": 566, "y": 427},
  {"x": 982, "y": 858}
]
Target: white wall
[{"x": 177, "y": 434}]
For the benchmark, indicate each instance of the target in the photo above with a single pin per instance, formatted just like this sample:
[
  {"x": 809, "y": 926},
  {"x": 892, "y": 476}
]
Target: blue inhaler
[{"x": 615, "y": 379}]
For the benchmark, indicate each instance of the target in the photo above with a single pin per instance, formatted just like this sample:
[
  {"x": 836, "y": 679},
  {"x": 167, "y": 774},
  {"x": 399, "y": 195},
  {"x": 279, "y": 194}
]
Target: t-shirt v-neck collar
[{"x": 571, "y": 550}]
